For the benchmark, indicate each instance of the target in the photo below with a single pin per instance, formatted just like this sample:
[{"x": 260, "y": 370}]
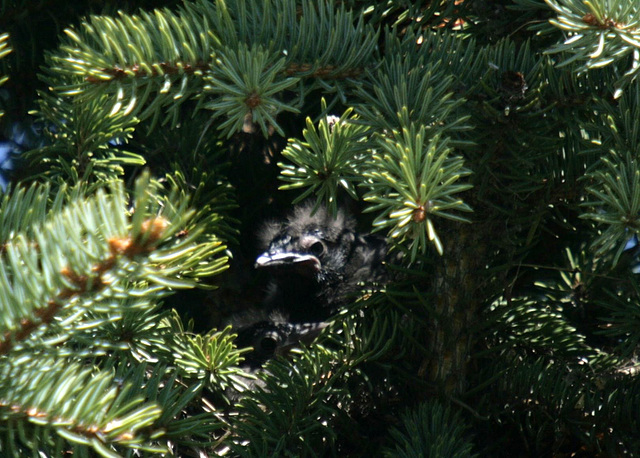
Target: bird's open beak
[{"x": 298, "y": 260}]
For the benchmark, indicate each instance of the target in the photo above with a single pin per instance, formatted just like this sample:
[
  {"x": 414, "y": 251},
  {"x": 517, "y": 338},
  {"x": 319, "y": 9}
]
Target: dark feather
[
  {"x": 318, "y": 262},
  {"x": 269, "y": 335}
]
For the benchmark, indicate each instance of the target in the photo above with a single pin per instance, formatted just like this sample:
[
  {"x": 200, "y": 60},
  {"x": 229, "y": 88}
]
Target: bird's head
[
  {"x": 314, "y": 245},
  {"x": 274, "y": 335}
]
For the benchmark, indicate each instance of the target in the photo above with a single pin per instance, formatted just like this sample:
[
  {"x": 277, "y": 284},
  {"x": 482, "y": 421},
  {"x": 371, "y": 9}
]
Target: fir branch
[
  {"x": 84, "y": 138},
  {"x": 148, "y": 61},
  {"x": 5, "y": 49},
  {"x": 347, "y": 47},
  {"x": 328, "y": 72},
  {"x": 285, "y": 28},
  {"x": 248, "y": 82},
  {"x": 142, "y": 42},
  {"x": 83, "y": 272},
  {"x": 160, "y": 58},
  {"x": 91, "y": 248},
  {"x": 412, "y": 180},
  {"x": 81, "y": 406},
  {"x": 305, "y": 400},
  {"x": 533, "y": 326},
  {"x": 185, "y": 418},
  {"x": 211, "y": 357},
  {"x": 558, "y": 405},
  {"x": 616, "y": 128},
  {"x": 430, "y": 430},
  {"x": 330, "y": 159},
  {"x": 616, "y": 202},
  {"x": 457, "y": 54},
  {"x": 296, "y": 409},
  {"x": 25, "y": 208},
  {"x": 211, "y": 195},
  {"x": 402, "y": 93},
  {"x": 622, "y": 319},
  {"x": 599, "y": 34},
  {"x": 160, "y": 69}
]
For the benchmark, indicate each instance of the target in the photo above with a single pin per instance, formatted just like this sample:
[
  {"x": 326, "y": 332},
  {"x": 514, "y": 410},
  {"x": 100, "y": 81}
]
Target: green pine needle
[
  {"x": 413, "y": 179},
  {"x": 329, "y": 161},
  {"x": 247, "y": 84}
]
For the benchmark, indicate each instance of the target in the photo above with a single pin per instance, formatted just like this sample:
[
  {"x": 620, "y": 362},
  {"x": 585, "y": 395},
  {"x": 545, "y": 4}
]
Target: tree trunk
[{"x": 457, "y": 279}]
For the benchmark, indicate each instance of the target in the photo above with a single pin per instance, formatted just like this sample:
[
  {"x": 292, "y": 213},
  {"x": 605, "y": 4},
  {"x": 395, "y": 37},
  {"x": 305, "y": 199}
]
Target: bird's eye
[
  {"x": 317, "y": 248},
  {"x": 268, "y": 345}
]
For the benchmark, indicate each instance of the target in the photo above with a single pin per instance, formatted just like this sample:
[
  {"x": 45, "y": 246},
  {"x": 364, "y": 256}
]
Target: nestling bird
[
  {"x": 318, "y": 262},
  {"x": 270, "y": 334}
]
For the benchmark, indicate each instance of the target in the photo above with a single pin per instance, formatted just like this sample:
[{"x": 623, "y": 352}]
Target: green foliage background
[{"x": 495, "y": 144}]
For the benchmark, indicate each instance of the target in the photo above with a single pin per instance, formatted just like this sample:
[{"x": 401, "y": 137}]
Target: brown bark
[{"x": 456, "y": 284}]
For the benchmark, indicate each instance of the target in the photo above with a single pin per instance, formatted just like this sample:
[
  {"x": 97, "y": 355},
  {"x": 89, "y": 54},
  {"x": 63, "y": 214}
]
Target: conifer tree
[{"x": 494, "y": 145}]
